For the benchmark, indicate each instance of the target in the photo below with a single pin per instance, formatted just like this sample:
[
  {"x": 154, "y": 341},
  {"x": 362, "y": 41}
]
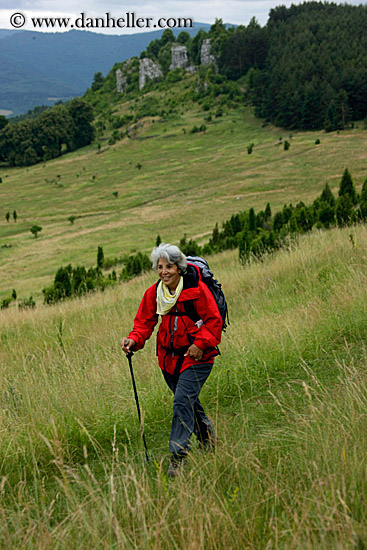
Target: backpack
[{"x": 215, "y": 288}]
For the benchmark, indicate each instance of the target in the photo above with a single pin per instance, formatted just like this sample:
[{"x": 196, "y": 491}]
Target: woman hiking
[{"x": 185, "y": 348}]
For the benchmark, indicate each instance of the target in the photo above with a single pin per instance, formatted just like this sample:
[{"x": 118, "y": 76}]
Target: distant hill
[{"x": 36, "y": 67}]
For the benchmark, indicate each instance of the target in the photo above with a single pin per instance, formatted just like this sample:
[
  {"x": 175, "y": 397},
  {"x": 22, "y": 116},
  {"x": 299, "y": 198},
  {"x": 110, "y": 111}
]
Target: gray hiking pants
[{"x": 188, "y": 413}]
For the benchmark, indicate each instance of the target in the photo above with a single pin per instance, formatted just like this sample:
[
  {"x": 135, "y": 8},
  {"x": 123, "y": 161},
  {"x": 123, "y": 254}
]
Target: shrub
[
  {"x": 190, "y": 248},
  {"x": 286, "y": 145},
  {"x": 135, "y": 265},
  {"x": 5, "y": 303},
  {"x": 35, "y": 229},
  {"x": 27, "y": 303}
]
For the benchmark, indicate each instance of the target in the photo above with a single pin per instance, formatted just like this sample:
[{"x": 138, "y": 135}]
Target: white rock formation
[{"x": 148, "y": 71}]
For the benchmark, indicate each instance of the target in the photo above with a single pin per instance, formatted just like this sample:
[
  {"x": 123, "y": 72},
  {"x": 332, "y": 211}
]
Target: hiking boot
[{"x": 176, "y": 467}]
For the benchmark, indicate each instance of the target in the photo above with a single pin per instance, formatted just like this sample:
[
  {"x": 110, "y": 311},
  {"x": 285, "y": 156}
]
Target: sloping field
[
  {"x": 169, "y": 182},
  {"x": 287, "y": 395}
]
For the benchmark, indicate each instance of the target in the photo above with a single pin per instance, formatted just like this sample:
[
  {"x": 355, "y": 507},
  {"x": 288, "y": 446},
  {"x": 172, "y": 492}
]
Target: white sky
[{"x": 204, "y": 11}]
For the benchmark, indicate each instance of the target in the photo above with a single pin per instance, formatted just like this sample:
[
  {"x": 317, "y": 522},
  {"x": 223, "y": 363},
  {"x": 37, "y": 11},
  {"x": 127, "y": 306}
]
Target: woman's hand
[
  {"x": 127, "y": 344},
  {"x": 194, "y": 352}
]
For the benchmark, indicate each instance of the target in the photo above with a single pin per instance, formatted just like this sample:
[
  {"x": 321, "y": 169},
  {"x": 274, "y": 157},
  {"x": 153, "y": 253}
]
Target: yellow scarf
[{"x": 166, "y": 300}]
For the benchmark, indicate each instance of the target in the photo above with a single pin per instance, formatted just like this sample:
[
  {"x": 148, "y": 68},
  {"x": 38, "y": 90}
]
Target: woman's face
[{"x": 168, "y": 273}]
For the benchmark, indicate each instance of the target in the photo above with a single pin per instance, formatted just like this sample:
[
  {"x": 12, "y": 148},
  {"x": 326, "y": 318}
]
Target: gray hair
[{"x": 171, "y": 253}]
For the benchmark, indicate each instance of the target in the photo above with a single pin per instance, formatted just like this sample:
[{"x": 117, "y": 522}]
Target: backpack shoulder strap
[{"x": 191, "y": 311}]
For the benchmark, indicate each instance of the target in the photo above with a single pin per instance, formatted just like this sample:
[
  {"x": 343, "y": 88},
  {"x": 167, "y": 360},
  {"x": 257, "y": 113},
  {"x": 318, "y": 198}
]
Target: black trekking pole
[{"x": 129, "y": 356}]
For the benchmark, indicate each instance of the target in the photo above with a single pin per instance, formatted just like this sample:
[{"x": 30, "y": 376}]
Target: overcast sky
[{"x": 205, "y": 11}]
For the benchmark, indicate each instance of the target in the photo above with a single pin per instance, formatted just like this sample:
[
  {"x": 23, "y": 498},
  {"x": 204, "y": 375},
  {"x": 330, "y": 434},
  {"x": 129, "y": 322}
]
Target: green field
[
  {"x": 287, "y": 395},
  {"x": 187, "y": 183}
]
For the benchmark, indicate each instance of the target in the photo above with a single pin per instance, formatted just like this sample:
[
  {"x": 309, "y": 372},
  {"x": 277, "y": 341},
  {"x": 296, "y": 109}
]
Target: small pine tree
[
  {"x": 215, "y": 235},
  {"x": 286, "y": 145},
  {"x": 344, "y": 209},
  {"x": 158, "y": 240},
  {"x": 252, "y": 220},
  {"x": 267, "y": 212},
  {"x": 7, "y": 216},
  {"x": 364, "y": 191},
  {"x": 15, "y": 215},
  {"x": 100, "y": 257},
  {"x": 278, "y": 221},
  {"x": 347, "y": 186},
  {"x": 14, "y": 294},
  {"x": 327, "y": 195}
]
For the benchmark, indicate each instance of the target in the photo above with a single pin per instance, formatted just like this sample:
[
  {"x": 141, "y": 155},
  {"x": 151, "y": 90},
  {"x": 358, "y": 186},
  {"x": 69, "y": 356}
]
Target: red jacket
[{"x": 177, "y": 332}]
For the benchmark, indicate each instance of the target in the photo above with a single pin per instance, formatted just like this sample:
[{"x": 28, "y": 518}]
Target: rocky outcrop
[
  {"x": 180, "y": 59},
  {"x": 121, "y": 81},
  {"x": 206, "y": 58},
  {"x": 148, "y": 71}
]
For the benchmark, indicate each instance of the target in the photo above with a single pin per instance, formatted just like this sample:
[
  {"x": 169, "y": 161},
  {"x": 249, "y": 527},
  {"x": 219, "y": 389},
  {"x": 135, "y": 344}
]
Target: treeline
[
  {"x": 236, "y": 49},
  {"x": 62, "y": 128},
  {"x": 255, "y": 234},
  {"x": 306, "y": 69},
  {"x": 315, "y": 74}
]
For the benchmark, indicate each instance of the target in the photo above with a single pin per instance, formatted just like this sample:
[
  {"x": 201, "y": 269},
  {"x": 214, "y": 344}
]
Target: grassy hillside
[
  {"x": 169, "y": 181},
  {"x": 288, "y": 397}
]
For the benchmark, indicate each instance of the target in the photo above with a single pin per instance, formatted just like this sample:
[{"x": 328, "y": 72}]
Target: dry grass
[{"x": 288, "y": 397}]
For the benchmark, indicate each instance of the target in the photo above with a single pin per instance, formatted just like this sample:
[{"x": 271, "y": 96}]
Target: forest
[
  {"x": 305, "y": 69},
  {"x": 62, "y": 128}
]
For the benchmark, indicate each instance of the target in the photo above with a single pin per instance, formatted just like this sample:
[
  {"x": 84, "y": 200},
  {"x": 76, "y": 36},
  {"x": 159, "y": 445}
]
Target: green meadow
[
  {"x": 287, "y": 396},
  {"x": 169, "y": 182}
]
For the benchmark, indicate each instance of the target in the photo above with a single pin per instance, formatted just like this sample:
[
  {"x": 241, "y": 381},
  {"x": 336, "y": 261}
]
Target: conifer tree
[
  {"x": 278, "y": 221},
  {"x": 327, "y": 195},
  {"x": 252, "y": 220},
  {"x": 100, "y": 257},
  {"x": 347, "y": 186},
  {"x": 7, "y": 216},
  {"x": 15, "y": 215},
  {"x": 344, "y": 209},
  {"x": 364, "y": 191},
  {"x": 267, "y": 211}
]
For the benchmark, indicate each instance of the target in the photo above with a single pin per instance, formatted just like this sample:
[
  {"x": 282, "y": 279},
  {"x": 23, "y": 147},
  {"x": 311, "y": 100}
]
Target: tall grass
[{"x": 287, "y": 395}]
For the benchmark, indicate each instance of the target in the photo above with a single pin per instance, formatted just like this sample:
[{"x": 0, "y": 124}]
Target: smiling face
[{"x": 168, "y": 273}]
